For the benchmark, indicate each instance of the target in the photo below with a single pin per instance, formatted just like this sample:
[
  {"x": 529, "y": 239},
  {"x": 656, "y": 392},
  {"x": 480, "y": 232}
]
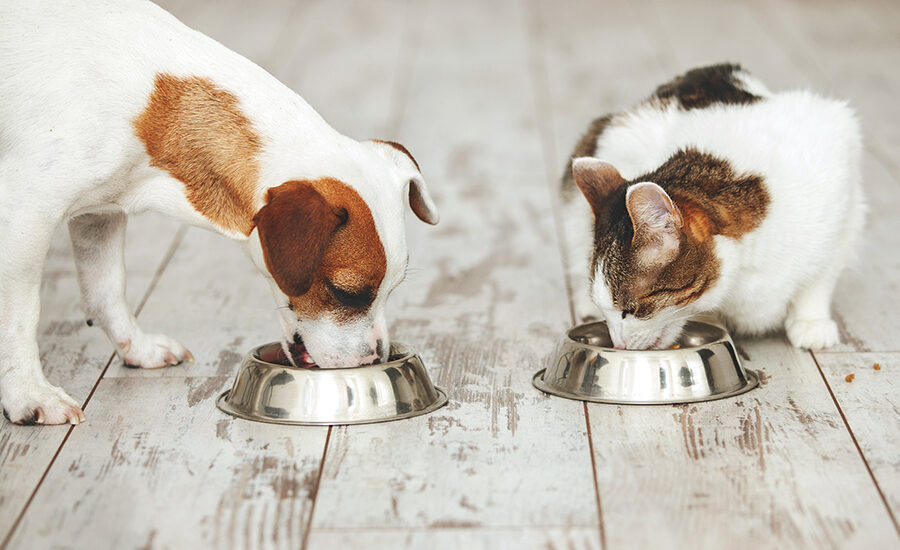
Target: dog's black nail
[{"x": 90, "y": 322}]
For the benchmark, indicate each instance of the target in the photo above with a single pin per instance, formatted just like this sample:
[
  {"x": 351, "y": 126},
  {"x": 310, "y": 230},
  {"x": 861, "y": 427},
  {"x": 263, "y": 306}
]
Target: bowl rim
[
  {"x": 224, "y": 406},
  {"x": 538, "y": 382},
  {"x": 406, "y": 354},
  {"x": 606, "y": 349}
]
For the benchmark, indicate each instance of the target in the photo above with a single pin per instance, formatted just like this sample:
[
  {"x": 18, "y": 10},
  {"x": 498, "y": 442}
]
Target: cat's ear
[
  {"x": 657, "y": 224},
  {"x": 596, "y": 179}
]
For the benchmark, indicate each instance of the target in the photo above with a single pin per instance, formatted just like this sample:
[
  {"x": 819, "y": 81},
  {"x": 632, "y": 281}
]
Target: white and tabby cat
[{"x": 715, "y": 195}]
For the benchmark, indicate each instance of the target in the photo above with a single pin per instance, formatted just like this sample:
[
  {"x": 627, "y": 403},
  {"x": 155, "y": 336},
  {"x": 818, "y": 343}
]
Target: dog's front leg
[
  {"x": 98, "y": 242},
  {"x": 26, "y": 395}
]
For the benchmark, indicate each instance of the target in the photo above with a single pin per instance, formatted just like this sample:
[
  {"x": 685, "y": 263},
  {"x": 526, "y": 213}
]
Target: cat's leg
[
  {"x": 98, "y": 242},
  {"x": 809, "y": 323},
  {"x": 26, "y": 395},
  {"x": 579, "y": 242}
]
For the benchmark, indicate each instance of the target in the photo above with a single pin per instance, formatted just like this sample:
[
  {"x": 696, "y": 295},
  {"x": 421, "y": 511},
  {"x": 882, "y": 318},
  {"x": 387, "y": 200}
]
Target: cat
[{"x": 714, "y": 195}]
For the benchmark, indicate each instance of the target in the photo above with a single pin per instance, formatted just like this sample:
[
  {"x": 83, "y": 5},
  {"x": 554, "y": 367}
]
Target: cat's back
[{"x": 787, "y": 133}]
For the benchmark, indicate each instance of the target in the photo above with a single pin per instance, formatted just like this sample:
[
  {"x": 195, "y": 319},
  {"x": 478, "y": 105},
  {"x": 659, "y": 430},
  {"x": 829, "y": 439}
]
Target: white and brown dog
[{"x": 115, "y": 107}]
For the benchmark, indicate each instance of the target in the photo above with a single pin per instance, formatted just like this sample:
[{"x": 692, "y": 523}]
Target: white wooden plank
[
  {"x": 485, "y": 309},
  {"x": 347, "y": 63},
  {"x": 73, "y": 355},
  {"x": 774, "y": 468},
  {"x": 160, "y": 467},
  {"x": 571, "y": 42},
  {"x": 256, "y": 30},
  {"x": 516, "y": 538},
  {"x": 850, "y": 46},
  {"x": 871, "y": 407}
]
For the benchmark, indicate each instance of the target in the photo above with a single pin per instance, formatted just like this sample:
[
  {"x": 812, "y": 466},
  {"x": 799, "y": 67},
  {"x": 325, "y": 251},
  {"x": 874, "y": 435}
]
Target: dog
[{"x": 109, "y": 108}]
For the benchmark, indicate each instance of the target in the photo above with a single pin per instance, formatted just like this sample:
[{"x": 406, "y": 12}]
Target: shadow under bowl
[
  {"x": 283, "y": 394},
  {"x": 704, "y": 367}
]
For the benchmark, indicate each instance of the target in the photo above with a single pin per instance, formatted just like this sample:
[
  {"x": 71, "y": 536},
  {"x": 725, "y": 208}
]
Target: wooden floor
[{"x": 490, "y": 97}]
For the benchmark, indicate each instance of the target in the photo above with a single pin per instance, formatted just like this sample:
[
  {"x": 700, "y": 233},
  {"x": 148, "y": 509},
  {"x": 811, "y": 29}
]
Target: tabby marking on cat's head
[{"x": 654, "y": 240}]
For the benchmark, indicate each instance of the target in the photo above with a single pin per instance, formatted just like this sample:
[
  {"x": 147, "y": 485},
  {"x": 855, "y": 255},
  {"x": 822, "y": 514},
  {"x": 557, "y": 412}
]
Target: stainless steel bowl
[
  {"x": 586, "y": 367},
  {"x": 283, "y": 394}
]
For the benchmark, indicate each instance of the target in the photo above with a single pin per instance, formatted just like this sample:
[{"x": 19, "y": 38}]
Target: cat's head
[{"x": 651, "y": 264}]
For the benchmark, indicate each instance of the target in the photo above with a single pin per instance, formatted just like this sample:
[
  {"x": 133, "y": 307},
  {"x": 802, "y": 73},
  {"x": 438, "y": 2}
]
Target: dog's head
[{"x": 336, "y": 248}]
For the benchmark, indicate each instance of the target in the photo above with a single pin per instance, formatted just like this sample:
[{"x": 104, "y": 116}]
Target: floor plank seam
[
  {"x": 409, "y": 51},
  {"x": 862, "y": 455},
  {"x": 587, "y": 424},
  {"x": 315, "y": 493},
  {"x": 15, "y": 525},
  {"x": 170, "y": 252},
  {"x": 541, "y": 100},
  {"x": 542, "y": 109}
]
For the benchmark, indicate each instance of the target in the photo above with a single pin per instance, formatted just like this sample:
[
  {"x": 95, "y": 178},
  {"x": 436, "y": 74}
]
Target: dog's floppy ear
[
  {"x": 419, "y": 199},
  {"x": 294, "y": 228}
]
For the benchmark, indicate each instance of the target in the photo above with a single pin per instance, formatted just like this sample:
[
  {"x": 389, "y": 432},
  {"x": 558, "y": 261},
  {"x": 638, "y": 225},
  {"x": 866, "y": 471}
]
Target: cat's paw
[
  {"x": 813, "y": 334},
  {"x": 40, "y": 403},
  {"x": 153, "y": 351}
]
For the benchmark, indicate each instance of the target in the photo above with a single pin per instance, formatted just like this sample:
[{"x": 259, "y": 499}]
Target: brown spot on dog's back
[
  {"x": 196, "y": 131},
  {"x": 699, "y": 88},
  {"x": 353, "y": 259}
]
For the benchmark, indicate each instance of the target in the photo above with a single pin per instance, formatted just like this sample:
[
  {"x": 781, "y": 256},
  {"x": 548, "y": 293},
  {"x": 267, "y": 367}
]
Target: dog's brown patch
[
  {"x": 196, "y": 131},
  {"x": 699, "y": 88},
  {"x": 352, "y": 259},
  {"x": 712, "y": 200}
]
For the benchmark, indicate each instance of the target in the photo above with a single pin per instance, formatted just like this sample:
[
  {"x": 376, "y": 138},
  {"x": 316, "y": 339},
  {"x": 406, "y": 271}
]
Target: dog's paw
[
  {"x": 153, "y": 351},
  {"x": 41, "y": 404},
  {"x": 812, "y": 334}
]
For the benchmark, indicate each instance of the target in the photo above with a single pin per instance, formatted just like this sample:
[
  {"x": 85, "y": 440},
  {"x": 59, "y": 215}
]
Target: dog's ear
[
  {"x": 294, "y": 229},
  {"x": 419, "y": 199}
]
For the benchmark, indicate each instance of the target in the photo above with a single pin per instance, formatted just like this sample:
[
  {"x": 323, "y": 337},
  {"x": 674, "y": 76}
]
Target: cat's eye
[{"x": 351, "y": 298}]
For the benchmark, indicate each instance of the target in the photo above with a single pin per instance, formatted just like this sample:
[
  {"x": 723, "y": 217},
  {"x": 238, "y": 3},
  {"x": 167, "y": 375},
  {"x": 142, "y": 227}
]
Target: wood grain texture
[
  {"x": 515, "y": 538},
  {"x": 73, "y": 355},
  {"x": 169, "y": 470},
  {"x": 485, "y": 309},
  {"x": 773, "y": 468},
  {"x": 871, "y": 407}
]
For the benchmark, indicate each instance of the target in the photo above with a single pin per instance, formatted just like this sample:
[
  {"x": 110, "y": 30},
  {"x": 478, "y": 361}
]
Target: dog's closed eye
[{"x": 353, "y": 298}]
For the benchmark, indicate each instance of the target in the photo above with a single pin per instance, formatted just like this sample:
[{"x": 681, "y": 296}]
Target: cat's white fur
[{"x": 783, "y": 273}]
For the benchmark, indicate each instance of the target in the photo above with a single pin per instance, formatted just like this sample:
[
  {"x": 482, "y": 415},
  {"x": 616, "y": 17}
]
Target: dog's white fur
[
  {"x": 807, "y": 148},
  {"x": 74, "y": 75}
]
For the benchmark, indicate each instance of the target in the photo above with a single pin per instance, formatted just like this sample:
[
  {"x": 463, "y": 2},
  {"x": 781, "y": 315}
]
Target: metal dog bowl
[
  {"x": 283, "y": 394},
  {"x": 704, "y": 367}
]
